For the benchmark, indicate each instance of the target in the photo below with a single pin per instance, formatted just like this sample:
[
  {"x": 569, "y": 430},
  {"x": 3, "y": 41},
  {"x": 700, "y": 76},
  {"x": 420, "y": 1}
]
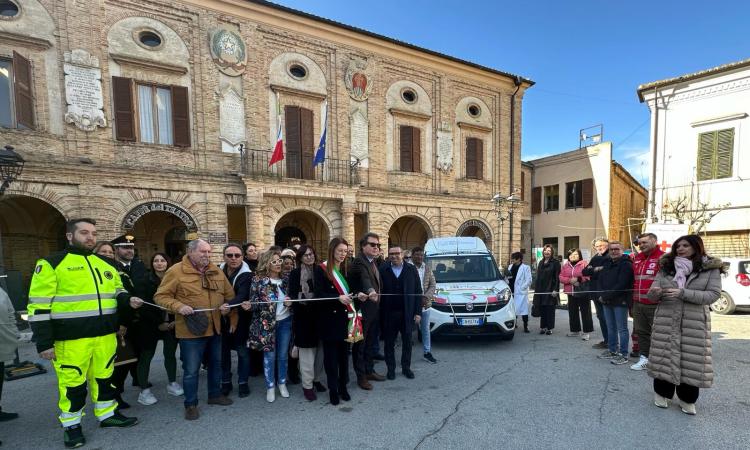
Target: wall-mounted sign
[
  {"x": 141, "y": 210},
  {"x": 217, "y": 238}
]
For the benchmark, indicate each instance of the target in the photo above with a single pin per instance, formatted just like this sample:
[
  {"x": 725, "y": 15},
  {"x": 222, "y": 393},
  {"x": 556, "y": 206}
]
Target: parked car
[
  {"x": 735, "y": 286},
  {"x": 472, "y": 296}
]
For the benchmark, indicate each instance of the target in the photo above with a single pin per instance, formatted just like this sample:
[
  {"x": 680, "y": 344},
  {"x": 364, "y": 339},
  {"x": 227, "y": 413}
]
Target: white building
[{"x": 700, "y": 162}]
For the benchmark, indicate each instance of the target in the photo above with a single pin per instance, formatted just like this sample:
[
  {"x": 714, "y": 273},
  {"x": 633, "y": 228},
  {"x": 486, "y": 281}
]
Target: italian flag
[
  {"x": 338, "y": 280},
  {"x": 278, "y": 150}
]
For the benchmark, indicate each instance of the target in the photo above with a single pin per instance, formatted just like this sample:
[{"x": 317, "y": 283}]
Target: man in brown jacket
[{"x": 196, "y": 284}]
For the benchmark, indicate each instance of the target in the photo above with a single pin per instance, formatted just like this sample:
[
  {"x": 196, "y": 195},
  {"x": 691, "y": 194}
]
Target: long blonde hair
[{"x": 264, "y": 260}]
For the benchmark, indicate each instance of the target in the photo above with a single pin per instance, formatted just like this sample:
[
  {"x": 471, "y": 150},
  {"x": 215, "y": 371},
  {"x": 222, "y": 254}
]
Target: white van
[{"x": 472, "y": 296}]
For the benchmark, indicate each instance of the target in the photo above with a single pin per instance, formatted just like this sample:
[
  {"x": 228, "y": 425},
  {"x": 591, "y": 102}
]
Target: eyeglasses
[
  {"x": 373, "y": 244},
  {"x": 233, "y": 255},
  {"x": 276, "y": 261}
]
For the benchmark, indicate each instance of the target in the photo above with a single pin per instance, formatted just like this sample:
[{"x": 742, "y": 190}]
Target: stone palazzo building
[{"x": 158, "y": 118}]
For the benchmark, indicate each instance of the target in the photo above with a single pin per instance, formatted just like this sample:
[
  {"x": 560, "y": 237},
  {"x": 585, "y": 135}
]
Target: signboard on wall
[
  {"x": 217, "y": 238},
  {"x": 666, "y": 233}
]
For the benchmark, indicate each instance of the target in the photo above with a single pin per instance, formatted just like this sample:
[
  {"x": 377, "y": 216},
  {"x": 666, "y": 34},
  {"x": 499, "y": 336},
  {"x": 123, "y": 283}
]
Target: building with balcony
[{"x": 158, "y": 119}]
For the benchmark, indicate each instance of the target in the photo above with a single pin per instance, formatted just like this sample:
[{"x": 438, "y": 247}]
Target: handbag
[{"x": 535, "y": 311}]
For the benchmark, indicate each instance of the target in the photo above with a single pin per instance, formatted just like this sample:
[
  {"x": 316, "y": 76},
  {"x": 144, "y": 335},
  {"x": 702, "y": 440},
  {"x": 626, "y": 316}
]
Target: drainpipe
[
  {"x": 653, "y": 157},
  {"x": 517, "y": 83}
]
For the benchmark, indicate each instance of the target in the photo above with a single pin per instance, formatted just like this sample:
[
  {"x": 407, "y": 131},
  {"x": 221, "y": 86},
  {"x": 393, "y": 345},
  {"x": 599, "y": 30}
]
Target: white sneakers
[
  {"x": 641, "y": 364},
  {"x": 175, "y": 389},
  {"x": 573, "y": 334},
  {"x": 283, "y": 391},
  {"x": 688, "y": 408},
  {"x": 271, "y": 395},
  {"x": 146, "y": 398},
  {"x": 585, "y": 337},
  {"x": 661, "y": 402}
]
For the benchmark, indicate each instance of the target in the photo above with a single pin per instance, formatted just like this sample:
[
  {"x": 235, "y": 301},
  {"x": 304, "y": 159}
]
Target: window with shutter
[
  {"x": 405, "y": 148},
  {"x": 293, "y": 142},
  {"x": 22, "y": 87},
  {"x": 574, "y": 194},
  {"x": 536, "y": 200},
  {"x": 587, "y": 193},
  {"x": 715, "y": 154},
  {"x": 471, "y": 158},
  {"x": 523, "y": 186},
  {"x": 122, "y": 97},
  {"x": 180, "y": 116},
  {"x": 416, "y": 150},
  {"x": 552, "y": 197},
  {"x": 306, "y": 144}
]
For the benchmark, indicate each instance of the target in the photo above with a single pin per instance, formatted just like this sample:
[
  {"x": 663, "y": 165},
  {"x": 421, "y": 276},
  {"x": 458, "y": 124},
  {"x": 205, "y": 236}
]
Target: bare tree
[{"x": 691, "y": 211}]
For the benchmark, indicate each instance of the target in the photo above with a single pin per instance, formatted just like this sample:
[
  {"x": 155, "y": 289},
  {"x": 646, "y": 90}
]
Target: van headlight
[{"x": 503, "y": 295}]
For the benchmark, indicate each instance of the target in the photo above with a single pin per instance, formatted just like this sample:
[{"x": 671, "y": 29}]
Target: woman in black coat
[
  {"x": 304, "y": 322},
  {"x": 332, "y": 319},
  {"x": 548, "y": 284}
]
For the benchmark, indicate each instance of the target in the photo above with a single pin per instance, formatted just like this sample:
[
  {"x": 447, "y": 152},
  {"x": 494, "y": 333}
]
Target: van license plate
[{"x": 470, "y": 322}]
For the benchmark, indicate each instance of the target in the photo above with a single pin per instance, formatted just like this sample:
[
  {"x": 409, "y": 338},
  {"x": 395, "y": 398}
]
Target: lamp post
[
  {"x": 11, "y": 166},
  {"x": 504, "y": 206}
]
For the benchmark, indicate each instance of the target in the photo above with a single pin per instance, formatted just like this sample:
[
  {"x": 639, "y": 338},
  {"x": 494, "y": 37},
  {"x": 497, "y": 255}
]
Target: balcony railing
[{"x": 334, "y": 171}]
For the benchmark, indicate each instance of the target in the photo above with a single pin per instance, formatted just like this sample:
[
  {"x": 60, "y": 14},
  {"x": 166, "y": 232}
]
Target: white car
[
  {"x": 735, "y": 286},
  {"x": 472, "y": 296}
]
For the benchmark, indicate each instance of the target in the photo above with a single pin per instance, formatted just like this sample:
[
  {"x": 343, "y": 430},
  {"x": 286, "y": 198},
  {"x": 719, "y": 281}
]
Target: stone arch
[
  {"x": 484, "y": 119},
  {"x": 138, "y": 208},
  {"x": 409, "y": 230},
  {"x": 476, "y": 227},
  {"x": 315, "y": 229},
  {"x": 33, "y": 21},
  {"x": 46, "y": 195},
  {"x": 422, "y": 106},
  {"x": 122, "y": 42},
  {"x": 315, "y": 81}
]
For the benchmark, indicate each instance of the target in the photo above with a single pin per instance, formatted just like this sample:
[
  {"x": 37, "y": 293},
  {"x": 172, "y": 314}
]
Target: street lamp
[
  {"x": 504, "y": 206},
  {"x": 11, "y": 166}
]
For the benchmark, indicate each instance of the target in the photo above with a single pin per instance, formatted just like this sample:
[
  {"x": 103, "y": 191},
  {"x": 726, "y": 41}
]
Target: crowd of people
[{"x": 98, "y": 312}]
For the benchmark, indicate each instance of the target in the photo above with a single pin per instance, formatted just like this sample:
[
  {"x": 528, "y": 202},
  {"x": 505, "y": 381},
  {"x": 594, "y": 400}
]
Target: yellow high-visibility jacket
[{"x": 74, "y": 294}]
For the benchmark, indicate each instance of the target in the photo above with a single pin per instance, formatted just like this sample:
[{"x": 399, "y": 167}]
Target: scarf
[
  {"x": 682, "y": 268},
  {"x": 305, "y": 277}
]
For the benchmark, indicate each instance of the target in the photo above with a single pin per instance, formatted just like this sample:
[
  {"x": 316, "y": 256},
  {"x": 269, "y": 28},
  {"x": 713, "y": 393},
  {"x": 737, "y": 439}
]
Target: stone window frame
[
  {"x": 20, "y": 13},
  {"x": 137, "y": 38},
  {"x": 474, "y": 105},
  {"x": 413, "y": 91}
]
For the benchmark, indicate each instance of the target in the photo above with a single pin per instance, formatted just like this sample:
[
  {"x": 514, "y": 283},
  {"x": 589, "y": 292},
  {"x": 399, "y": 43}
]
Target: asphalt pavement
[{"x": 535, "y": 391}]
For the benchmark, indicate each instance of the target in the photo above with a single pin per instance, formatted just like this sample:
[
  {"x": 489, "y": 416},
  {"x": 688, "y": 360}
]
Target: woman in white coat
[{"x": 519, "y": 281}]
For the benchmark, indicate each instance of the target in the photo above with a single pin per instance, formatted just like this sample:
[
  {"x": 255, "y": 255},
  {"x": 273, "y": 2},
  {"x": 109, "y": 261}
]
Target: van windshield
[{"x": 465, "y": 268}]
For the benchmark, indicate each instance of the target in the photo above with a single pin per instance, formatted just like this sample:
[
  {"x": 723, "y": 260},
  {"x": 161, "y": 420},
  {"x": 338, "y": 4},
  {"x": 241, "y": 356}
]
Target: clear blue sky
[{"x": 586, "y": 57}]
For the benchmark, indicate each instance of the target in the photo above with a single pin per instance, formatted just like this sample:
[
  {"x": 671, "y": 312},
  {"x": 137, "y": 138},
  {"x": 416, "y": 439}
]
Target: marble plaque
[
  {"x": 231, "y": 118},
  {"x": 83, "y": 91},
  {"x": 359, "y": 136},
  {"x": 445, "y": 150}
]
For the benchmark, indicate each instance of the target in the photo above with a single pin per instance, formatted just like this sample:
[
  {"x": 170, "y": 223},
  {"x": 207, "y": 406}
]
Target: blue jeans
[
  {"x": 283, "y": 335},
  {"x": 191, "y": 354},
  {"x": 617, "y": 328},
  {"x": 424, "y": 328}
]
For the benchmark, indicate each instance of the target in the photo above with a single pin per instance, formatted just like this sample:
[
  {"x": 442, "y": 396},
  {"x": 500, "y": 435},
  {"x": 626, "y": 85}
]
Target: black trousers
[
  {"x": 685, "y": 392},
  {"x": 336, "y": 364},
  {"x": 602, "y": 320},
  {"x": 362, "y": 351},
  {"x": 579, "y": 309},
  {"x": 2, "y": 378},
  {"x": 547, "y": 317},
  {"x": 393, "y": 325},
  {"x": 120, "y": 373}
]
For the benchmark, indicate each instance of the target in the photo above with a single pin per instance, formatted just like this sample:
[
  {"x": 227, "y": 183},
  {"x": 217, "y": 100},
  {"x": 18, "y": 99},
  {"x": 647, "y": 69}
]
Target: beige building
[
  {"x": 158, "y": 118},
  {"x": 579, "y": 195}
]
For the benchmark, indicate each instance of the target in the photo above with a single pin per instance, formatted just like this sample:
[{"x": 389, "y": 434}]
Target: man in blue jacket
[{"x": 400, "y": 308}]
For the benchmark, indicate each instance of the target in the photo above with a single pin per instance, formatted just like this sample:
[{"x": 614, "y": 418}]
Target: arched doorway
[
  {"x": 409, "y": 232},
  {"x": 29, "y": 229},
  {"x": 476, "y": 228},
  {"x": 303, "y": 227},
  {"x": 160, "y": 227}
]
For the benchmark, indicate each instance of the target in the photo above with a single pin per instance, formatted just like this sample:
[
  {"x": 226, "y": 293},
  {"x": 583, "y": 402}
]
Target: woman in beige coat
[{"x": 680, "y": 360}]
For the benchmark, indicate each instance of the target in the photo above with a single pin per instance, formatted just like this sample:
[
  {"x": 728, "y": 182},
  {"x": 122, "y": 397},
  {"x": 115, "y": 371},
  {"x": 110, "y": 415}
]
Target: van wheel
[
  {"x": 724, "y": 305},
  {"x": 509, "y": 337}
]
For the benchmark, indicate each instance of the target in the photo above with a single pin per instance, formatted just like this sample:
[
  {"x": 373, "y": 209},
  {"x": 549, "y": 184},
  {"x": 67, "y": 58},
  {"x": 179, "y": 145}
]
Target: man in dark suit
[
  {"x": 400, "y": 309},
  {"x": 364, "y": 277}
]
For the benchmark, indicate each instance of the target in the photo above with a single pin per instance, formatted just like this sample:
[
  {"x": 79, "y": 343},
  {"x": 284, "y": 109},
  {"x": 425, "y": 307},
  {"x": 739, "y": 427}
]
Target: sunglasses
[
  {"x": 394, "y": 254},
  {"x": 233, "y": 255},
  {"x": 373, "y": 244},
  {"x": 276, "y": 261}
]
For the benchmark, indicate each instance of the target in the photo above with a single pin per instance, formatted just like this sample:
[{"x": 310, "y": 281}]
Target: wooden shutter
[
  {"x": 536, "y": 200},
  {"x": 405, "y": 148},
  {"x": 416, "y": 147},
  {"x": 180, "y": 116},
  {"x": 588, "y": 192},
  {"x": 523, "y": 185},
  {"x": 471, "y": 158},
  {"x": 22, "y": 87},
  {"x": 293, "y": 142},
  {"x": 306, "y": 144},
  {"x": 724, "y": 151},
  {"x": 479, "y": 159},
  {"x": 705, "y": 156},
  {"x": 122, "y": 97}
]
